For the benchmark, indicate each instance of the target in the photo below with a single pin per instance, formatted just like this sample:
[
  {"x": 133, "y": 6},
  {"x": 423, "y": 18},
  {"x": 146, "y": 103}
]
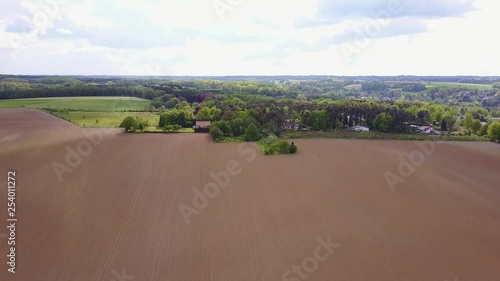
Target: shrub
[
  {"x": 216, "y": 133},
  {"x": 129, "y": 123},
  {"x": 172, "y": 128},
  {"x": 494, "y": 131},
  {"x": 383, "y": 122},
  {"x": 282, "y": 147},
  {"x": 251, "y": 133},
  {"x": 273, "y": 145}
]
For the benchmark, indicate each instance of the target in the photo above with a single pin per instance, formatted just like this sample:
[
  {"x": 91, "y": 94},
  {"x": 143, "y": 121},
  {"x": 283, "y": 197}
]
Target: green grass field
[
  {"x": 104, "y": 119},
  {"x": 458, "y": 85},
  {"x": 105, "y": 104}
]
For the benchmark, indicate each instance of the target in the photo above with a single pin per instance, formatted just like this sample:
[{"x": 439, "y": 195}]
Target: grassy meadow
[
  {"x": 460, "y": 85},
  {"x": 92, "y": 112},
  {"x": 104, "y": 104},
  {"x": 103, "y": 119}
]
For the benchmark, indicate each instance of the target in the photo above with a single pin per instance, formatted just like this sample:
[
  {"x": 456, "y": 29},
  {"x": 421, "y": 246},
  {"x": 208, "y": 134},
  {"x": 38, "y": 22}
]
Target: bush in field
[
  {"x": 282, "y": 147},
  {"x": 130, "y": 124},
  {"x": 273, "y": 145}
]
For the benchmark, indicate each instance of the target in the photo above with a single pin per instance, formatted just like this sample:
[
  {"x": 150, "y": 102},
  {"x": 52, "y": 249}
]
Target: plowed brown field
[{"x": 115, "y": 215}]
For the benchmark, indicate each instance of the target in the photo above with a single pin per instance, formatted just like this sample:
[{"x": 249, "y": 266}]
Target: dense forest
[
  {"x": 272, "y": 104},
  {"x": 304, "y": 88}
]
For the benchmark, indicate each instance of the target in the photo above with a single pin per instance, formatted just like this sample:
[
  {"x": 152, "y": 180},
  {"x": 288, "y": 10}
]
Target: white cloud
[{"x": 257, "y": 37}]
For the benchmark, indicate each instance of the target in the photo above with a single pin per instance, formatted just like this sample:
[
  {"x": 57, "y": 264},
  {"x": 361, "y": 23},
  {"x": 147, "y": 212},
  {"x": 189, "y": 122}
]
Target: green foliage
[
  {"x": 183, "y": 117},
  {"x": 383, "y": 122},
  {"x": 209, "y": 114},
  {"x": 305, "y": 118},
  {"x": 237, "y": 126},
  {"x": 414, "y": 87},
  {"x": 216, "y": 133},
  {"x": 468, "y": 121},
  {"x": 141, "y": 124},
  {"x": 130, "y": 124},
  {"x": 484, "y": 130},
  {"x": 476, "y": 126},
  {"x": 273, "y": 145},
  {"x": 225, "y": 127},
  {"x": 373, "y": 86},
  {"x": 319, "y": 120},
  {"x": 494, "y": 131},
  {"x": 172, "y": 128},
  {"x": 450, "y": 122},
  {"x": 252, "y": 133}
]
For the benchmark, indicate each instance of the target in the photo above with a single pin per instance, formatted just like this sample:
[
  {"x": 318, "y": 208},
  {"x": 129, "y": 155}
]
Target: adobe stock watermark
[
  {"x": 407, "y": 166},
  {"x": 220, "y": 180},
  {"x": 37, "y": 23},
  {"x": 372, "y": 28},
  {"x": 309, "y": 265},
  {"x": 75, "y": 155},
  {"x": 93, "y": 137},
  {"x": 222, "y": 7},
  {"x": 117, "y": 276}
]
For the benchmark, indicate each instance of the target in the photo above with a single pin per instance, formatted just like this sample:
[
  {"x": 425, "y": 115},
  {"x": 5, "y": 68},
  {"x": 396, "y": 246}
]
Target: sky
[{"x": 249, "y": 37}]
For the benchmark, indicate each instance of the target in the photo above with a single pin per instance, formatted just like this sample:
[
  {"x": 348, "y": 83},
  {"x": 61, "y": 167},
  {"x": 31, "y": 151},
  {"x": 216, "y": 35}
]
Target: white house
[{"x": 359, "y": 128}]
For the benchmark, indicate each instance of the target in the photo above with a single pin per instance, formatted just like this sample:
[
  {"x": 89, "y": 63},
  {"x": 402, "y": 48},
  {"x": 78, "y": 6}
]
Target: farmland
[
  {"x": 117, "y": 209},
  {"x": 104, "y": 104},
  {"x": 92, "y": 112},
  {"x": 459, "y": 85},
  {"x": 104, "y": 119}
]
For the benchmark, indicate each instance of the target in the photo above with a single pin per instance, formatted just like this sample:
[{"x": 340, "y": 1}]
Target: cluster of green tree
[
  {"x": 272, "y": 146},
  {"x": 261, "y": 121},
  {"x": 10, "y": 90},
  {"x": 250, "y": 89},
  {"x": 183, "y": 117},
  {"x": 131, "y": 124},
  {"x": 414, "y": 87},
  {"x": 323, "y": 86},
  {"x": 494, "y": 131},
  {"x": 472, "y": 125},
  {"x": 372, "y": 86},
  {"x": 237, "y": 124}
]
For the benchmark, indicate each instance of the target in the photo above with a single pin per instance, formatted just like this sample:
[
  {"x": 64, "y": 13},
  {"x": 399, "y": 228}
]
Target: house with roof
[{"x": 202, "y": 126}]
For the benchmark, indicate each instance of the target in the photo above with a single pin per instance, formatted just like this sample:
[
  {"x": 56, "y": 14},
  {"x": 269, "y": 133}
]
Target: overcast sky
[{"x": 250, "y": 37}]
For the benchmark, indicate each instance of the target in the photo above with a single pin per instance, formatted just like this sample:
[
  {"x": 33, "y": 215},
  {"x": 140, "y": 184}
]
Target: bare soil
[
  {"x": 118, "y": 210},
  {"x": 30, "y": 118}
]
